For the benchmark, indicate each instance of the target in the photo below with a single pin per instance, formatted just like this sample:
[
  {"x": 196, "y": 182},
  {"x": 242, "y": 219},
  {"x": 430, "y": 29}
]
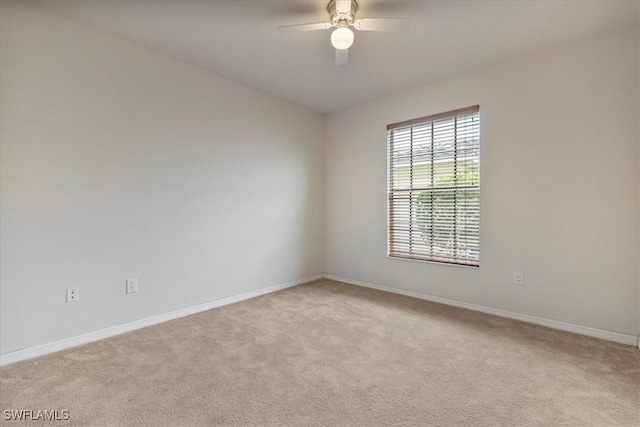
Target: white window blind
[{"x": 434, "y": 188}]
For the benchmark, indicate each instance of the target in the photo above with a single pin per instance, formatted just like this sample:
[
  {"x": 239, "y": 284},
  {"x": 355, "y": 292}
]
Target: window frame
[{"x": 453, "y": 260}]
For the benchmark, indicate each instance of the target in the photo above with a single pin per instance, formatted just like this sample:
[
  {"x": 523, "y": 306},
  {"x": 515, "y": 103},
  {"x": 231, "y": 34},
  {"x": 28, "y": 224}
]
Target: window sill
[{"x": 443, "y": 263}]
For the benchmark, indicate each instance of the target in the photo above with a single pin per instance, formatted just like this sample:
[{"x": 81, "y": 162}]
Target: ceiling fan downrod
[{"x": 342, "y": 15}]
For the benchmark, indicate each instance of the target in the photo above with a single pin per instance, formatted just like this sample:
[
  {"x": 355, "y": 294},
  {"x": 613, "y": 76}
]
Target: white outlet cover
[
  {"x": 132, "y": 286},
  {"x": 73, "y": 294},
  {"x": 518, "y": 279}
]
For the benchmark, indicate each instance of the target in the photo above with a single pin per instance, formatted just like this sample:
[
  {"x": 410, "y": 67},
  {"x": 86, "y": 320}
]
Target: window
[{"x": 434, "y": 188}]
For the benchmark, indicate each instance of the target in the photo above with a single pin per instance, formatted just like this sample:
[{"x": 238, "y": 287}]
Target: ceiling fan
[{"x": 342, "y": 16}]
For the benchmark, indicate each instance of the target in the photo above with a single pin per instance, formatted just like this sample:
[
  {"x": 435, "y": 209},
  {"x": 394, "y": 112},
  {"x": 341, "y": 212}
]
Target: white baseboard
[
  {"x": 555, "y": 324},
  {"x": 40, "y": 350},
  {"x": 31, "y": 352}
]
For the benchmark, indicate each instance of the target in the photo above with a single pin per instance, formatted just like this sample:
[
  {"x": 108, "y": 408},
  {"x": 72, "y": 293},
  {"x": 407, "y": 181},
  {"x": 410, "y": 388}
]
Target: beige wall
[
  {"x": 559, "y": 186},
  {"x": 118, "y": 163}
]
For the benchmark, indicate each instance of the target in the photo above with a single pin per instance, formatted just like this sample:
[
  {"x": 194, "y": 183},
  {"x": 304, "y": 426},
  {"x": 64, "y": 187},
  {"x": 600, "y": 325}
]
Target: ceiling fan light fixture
[{"x": 342, "y": 38}]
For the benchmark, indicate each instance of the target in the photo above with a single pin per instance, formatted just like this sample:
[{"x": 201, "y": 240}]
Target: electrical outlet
[
  {"x": 132, "y": 286},
  {"x": 73, "y": 294},
  {"x": 518, "y": 279}
]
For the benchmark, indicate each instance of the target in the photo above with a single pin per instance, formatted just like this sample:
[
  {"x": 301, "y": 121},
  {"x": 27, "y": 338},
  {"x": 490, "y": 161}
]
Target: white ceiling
[{"x": 238, "y": 39}]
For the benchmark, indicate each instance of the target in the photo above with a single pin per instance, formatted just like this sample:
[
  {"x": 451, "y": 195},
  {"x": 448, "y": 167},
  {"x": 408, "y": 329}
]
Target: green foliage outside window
[{"x": 443, "y": 222}]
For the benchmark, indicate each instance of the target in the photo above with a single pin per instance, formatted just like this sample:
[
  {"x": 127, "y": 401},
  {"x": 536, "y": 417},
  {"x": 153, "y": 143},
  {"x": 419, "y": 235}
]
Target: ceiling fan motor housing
[{"x": 342, "y": 19}]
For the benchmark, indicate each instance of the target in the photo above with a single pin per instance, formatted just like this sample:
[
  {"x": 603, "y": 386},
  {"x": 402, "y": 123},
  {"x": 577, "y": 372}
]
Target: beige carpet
[{"x": 332, "y": 354}]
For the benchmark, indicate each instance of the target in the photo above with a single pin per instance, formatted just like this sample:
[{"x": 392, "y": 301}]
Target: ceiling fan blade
[
  {"x": 286, "y": 29},
  {"x": 342, "y": 56},
  {"x": 381, "y": 24},
  {"x": 343, "y": 6}
]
